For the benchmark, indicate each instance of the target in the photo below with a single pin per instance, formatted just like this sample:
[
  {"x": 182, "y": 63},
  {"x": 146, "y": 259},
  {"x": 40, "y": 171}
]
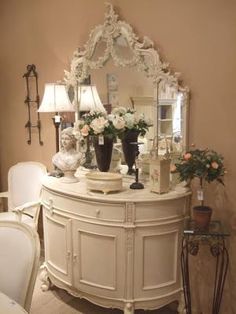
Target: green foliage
[{"x": 203, "y": 164}]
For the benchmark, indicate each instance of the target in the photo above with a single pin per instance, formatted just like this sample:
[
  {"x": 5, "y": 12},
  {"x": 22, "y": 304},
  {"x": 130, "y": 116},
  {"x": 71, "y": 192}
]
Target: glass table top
[{"x": 216, "y": 228}]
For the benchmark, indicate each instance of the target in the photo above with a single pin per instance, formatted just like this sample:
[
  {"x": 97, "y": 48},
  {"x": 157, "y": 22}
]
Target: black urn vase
[
  {"x": 129, "y": 149},
  {"x": 103, "y": 152}
]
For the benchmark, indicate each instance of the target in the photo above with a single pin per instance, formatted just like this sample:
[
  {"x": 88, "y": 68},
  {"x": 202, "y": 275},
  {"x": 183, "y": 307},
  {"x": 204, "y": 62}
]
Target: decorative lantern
[{"x": 159, "y": 170}]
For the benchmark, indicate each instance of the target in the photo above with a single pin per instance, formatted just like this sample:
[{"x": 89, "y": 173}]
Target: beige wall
[{"x": 196, "y": 37}]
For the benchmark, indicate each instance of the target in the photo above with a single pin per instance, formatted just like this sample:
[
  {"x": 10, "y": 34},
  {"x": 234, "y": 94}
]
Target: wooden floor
[{"x": 58, "y": 301}]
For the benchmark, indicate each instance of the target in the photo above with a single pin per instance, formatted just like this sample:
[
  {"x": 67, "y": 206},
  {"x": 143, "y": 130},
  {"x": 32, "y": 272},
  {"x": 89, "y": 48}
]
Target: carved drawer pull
[{"x": 97, "y": 212}]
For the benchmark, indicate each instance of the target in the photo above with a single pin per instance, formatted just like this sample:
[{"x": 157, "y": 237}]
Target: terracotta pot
[
  {"x": 103, "y": 153},
  {"x": 202, "y": 216},
  {"x": 130, "y": 150}
]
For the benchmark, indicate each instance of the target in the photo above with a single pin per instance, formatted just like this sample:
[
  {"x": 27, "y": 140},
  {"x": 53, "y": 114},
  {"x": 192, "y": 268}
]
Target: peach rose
[
  {"x": 187, "y": 156},
  {"x": 215, "y": 165}
]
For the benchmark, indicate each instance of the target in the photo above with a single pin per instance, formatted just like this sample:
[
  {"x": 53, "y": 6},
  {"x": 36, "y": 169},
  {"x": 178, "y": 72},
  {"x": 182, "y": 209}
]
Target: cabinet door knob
[{"x": 74, "y": 257}]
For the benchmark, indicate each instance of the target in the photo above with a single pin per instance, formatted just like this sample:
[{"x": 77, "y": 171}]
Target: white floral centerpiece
[
  {"x": 102, "y": 127},
  {"x": 115, "y": 124},
  {"x": 96, "y": 123},
  {"x": 98, "y": 126},
  {"x": 130, "y": 125},
  {"x": 125, "y": 119}
]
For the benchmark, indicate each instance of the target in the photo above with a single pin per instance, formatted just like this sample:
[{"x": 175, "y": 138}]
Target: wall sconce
[{"x": 56, "y": 99}]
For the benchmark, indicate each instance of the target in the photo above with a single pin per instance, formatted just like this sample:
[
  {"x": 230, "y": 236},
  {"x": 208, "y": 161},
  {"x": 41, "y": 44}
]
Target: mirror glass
[
  {"x": 126, "y": 87},
  {"x": 99, "y": 51},
  {"x": 122, "y": 48},
  {"x": 171, "y": 115}
]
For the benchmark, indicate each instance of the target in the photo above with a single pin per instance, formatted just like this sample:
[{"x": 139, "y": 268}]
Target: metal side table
[{"x": 214, "y": 237}]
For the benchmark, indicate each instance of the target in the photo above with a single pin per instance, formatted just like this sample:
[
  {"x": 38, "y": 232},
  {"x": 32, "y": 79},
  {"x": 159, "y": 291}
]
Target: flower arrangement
[
  {"x": 95, "y": 123},
  {"x": 115, "y": 124},
  {"x": 125, "y": 119},
  {"x": 103, "y": 127},
  {"x": 205, "y": 164}
]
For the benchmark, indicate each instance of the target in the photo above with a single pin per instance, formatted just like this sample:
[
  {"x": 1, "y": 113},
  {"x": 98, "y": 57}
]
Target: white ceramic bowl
[{"x": 104, "y": 181}]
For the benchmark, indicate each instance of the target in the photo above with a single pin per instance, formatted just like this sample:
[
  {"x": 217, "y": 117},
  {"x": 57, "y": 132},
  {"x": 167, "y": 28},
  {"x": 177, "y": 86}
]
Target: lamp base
[
  {"x": 88, "y": 160},
  {"x": 88, "y": 156}
]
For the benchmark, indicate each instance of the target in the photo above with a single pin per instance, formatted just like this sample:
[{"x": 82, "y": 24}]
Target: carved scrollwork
[
  {"x": 143, "y": 56},
  {"x": 130, "y": 240},
  {"x": 130, "y": 207},
  {"x": 215, "y": 249},
  {"x": 46, "y": 283},
  {"x": 216, "y": 245},
  {"x": 193, "y": 247}
]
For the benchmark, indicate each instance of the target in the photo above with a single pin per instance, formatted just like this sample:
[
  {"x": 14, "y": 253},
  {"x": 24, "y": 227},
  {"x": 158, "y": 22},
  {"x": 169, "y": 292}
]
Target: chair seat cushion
[{"x": 11, "y": 216}]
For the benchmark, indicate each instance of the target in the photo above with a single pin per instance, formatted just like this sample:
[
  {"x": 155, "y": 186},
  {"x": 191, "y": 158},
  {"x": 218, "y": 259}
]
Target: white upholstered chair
[
  {"x": 24, "y": 190},
  {"x": 19, "y": 261}
]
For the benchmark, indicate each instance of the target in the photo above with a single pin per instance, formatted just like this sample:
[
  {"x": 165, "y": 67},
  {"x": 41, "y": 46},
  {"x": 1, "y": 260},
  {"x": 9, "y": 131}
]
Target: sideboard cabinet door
[
  {"x": 57, "y": 237},
  {"x": 157, "y": 258},
  {"x": 99, "y": 259}
]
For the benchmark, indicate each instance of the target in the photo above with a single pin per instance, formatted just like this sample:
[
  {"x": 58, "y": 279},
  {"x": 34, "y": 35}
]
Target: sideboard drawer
[
  {"x": 83, "y": 208},
  {"x": 162, "y": 210}
]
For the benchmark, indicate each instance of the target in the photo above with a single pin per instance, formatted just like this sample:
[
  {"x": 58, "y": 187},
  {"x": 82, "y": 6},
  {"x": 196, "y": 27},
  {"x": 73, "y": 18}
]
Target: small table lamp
[
  {"x": 56, "y": 99},
  {"x": 88, "y": 99}
]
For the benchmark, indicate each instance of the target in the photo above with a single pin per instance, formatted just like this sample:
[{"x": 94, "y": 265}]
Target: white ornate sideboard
[{"x": 120, "y": 250}]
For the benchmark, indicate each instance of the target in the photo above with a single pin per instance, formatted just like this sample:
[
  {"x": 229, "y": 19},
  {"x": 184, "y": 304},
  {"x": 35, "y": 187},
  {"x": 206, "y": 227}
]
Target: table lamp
[
  {"x": 88, "y": 99},
  {"x": 56, "y": 99}
]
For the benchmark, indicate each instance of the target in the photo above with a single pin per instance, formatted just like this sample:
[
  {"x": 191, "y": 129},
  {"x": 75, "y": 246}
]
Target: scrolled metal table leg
[
  {"x": 185, "y": 275},
  {"x": 219, "y": 251}
]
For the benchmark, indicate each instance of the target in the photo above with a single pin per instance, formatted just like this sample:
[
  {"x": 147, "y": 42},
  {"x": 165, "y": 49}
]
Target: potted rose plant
[
  {"x": 130, "y": 125},
  {"x": 206, "y": 165},
  {"x": 100, "y": 127}
]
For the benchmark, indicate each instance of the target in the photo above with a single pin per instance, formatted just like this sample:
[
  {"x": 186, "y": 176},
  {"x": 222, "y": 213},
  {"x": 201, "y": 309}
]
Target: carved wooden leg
[
  {"x": 129, "y": 308},
  {"x": 181, "y": 307},
  {"x": 46, "y": 282}
]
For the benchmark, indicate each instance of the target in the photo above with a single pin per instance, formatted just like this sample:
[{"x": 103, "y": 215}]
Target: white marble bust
[{"x": 68, "y": 159}]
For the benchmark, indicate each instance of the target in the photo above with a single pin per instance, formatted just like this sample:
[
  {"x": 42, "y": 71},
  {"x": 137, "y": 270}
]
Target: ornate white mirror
[{"x": 129, "y": 72}]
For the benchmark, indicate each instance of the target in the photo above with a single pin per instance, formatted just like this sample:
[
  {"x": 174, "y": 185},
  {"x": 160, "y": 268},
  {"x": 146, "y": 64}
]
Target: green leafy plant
[{"x": 204, "y": 164}]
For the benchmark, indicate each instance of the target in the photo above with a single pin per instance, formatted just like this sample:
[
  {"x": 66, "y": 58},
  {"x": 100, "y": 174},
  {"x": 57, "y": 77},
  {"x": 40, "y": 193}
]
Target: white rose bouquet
[
  {"x": 125, "y": 119},
  {"x": 97, "y": 123}
]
